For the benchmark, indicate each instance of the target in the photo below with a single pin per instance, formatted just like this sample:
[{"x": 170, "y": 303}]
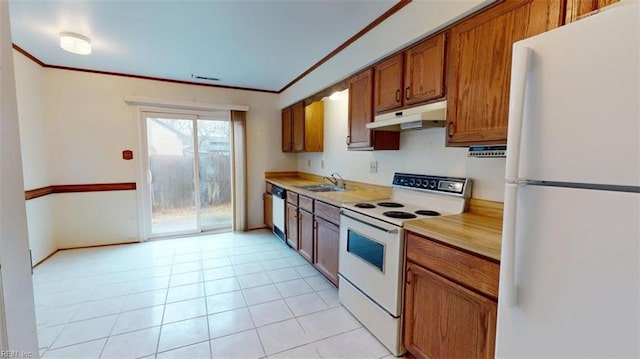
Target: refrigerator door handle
[
  {"x": 508, "y": 288},
  {"x": 517, "y": 97}
]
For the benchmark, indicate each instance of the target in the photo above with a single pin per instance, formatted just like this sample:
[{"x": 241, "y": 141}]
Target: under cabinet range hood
[{"x": 415, "y": 118}]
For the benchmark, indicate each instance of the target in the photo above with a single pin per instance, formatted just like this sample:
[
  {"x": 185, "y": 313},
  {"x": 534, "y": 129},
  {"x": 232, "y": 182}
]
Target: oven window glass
[{"x": 365, "y": 248}]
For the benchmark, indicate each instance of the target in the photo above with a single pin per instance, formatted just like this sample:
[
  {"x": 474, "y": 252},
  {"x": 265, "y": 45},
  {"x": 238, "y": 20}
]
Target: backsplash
[{"x": 421, "y": 151}]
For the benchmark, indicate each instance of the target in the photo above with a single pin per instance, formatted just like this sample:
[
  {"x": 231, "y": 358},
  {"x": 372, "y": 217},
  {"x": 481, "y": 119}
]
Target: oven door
[{"x": 371, "y": 259}]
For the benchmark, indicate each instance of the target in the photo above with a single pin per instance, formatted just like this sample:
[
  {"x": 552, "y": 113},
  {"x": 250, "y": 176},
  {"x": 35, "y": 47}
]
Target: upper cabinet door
[
  {"x": 297, "y": 114},
  {"x": 480, "y": 66},
  {"x": 579, "y": 8},
  {"x": 360, "y": 109},
  {"x": 424, "y": 71},
  {"x": 314, "y": 127},
  {"x": 388, "y": 83},
  {"x": 287, "y": 140}
]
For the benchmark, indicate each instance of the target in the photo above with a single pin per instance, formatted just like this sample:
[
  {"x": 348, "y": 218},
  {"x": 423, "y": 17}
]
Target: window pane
[
  {"x": 171, "y": 163},
  {"x": 365, "y": 248},
  {"x": 214, "y": 150}
]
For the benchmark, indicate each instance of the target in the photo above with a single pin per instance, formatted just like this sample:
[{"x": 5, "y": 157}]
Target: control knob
[{"x": 432, "y": 184}]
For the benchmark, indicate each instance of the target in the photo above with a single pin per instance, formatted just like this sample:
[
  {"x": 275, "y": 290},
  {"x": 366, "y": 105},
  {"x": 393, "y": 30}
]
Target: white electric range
[{"x": 371, "y": 266}]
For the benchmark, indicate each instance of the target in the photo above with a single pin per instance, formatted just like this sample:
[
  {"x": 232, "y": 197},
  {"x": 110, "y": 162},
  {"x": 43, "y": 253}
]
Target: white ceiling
[{"x": 258, "y": 44}]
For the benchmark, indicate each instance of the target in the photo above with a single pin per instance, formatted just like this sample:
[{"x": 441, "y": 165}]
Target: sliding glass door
[{"x": 187, "y": 173}]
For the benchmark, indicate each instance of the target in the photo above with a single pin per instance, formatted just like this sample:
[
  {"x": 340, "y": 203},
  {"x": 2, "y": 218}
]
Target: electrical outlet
[
  {"x": 309, "y": 163},
  {"x": 373, "y": 166},
  {"x": 321, "y": 163}
]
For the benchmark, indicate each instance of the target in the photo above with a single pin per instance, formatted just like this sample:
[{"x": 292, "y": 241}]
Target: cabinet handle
[
  {"x": 406, "y": 92},
  {"x": 348, "y": 140},
  {"x": 450, "y": 129},
  {"x": 398, "y": 95}
]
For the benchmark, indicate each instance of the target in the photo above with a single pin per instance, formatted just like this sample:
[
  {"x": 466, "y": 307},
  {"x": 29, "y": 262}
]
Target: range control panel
[{"x": 451, "y": 185}]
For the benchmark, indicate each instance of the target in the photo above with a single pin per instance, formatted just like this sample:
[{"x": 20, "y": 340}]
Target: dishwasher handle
[{"x": 278, "y": 192}]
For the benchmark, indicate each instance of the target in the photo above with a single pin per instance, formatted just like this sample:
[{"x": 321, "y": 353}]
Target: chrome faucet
[{"x": 338, "y": 182}]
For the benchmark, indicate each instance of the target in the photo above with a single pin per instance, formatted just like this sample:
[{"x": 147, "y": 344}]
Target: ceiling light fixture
[{"x": 75, "y": 43}]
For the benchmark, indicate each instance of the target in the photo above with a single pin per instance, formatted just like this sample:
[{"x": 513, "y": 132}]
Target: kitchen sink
[{"x": 322, "y": 188}]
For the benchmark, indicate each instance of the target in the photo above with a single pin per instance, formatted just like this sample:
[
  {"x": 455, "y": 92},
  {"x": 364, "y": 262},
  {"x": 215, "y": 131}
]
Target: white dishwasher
[{"x": 279, "y": 197}]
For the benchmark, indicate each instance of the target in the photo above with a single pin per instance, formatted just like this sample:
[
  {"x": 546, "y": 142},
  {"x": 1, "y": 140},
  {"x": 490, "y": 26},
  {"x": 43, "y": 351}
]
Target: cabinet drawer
[
  {"x": 292, "y": 197},
  {"x": 305, "y": 203},
  {"x": 328, "y": 212},
  {"x": 467, "y": 269}
]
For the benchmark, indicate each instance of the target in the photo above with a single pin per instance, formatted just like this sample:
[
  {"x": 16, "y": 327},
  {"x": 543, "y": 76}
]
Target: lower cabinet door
[
  {"x": 327, "y": 246},
  {"x": 268, "y": 209},
  {"x": 305, "y": 247},
  {"x": 445, "y": 320},
  {"x": 292, "y": 225}
]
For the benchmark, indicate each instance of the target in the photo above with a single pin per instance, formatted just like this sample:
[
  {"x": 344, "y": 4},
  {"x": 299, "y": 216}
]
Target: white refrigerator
[{"x": 569, "y": 274}]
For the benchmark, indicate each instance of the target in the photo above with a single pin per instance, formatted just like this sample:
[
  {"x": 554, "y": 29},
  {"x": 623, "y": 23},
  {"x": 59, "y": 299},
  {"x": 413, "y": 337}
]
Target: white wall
[
  {"x": 421, "y": 151},
  {"x": 34, "y": 143},
  {"x": 75, "y": 126},
  {"x": 91, "y": 123},
  {"x": 17, "y": 317}
]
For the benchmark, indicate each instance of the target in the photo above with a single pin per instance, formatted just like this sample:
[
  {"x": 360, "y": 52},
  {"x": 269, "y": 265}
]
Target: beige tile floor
[{"x": 231, "y": 295}]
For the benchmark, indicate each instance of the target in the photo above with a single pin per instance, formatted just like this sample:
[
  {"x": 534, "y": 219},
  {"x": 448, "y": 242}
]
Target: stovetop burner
[
  {"x": 426, "y": 212},
  {"x": 390, "y": 204},
  {"x": 399, "y": 214},
  {"x": 364, "y": 205}
]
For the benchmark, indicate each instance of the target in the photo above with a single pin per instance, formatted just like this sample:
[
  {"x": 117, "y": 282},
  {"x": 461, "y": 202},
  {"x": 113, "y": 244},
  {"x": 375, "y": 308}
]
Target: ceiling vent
[{"x": 198, "y": 77}]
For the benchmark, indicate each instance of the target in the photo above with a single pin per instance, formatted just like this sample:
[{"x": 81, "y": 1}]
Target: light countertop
[{"x": 478, "y": 231}]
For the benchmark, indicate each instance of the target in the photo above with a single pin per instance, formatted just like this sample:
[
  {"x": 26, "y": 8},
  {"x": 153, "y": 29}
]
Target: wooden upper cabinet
[
  {"x": 424, "y": 71},
  {"x": 297, "y": 114},
  {"x": 287, "y": 139},
  {"x": 576, "y": 9},
  {"x": 360, "y": 109},
  {"x": 388, "y": 82},
  {"x": 479, "y": 67},
  {"x": 361, "y": 113},
  {"x": 314, "y": 127},
  {"x": 303, "y": 128},
  {"x": 411, "y": 77}
]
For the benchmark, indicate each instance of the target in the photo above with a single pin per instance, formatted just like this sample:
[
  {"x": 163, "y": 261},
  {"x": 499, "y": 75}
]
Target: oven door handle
[{"x": 391, "y": 231}]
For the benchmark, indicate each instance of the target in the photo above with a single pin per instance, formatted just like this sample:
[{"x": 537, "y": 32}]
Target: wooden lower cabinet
[
  {"x": 305, "y": 243},
  {"x": 327, "y": 245},
  {"x": 267, "y": 208},
  {"x": 292, "y": 225},
  {"x": 445, "y": 320},
  {"x": 450, "y": 301}
]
